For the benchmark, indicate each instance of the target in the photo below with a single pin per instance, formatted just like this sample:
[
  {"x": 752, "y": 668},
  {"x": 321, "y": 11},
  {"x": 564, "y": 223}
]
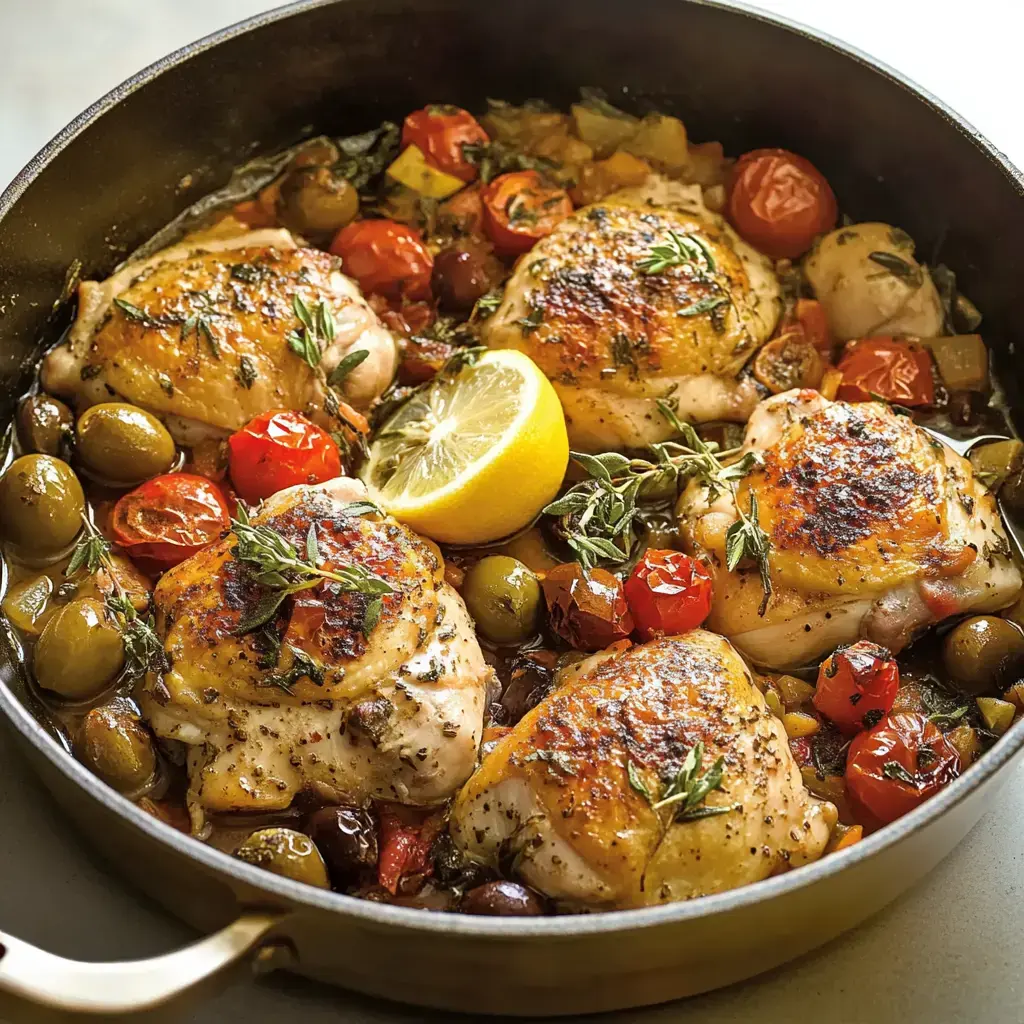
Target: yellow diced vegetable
[
  {"x": 600, "y": 179},
  {"x": 27, "y": 605},
  {"x": 774, "y": 702},
  {"x": 794, "y": 691},
  {"x": 830, "y": 382},
  {"x": 996, "y": 714},
  {"x": 412, "y": 170},
  {"x": 993, "y": 463},
  {"x": 965, "y": 740},
  {"x": 603, "y": 132},
  {"x": 831, "y": 788},
  {"x": 844, "y": 836},
  {"x": 661, "y": 140},
  {"x": 798, "y": 724},
  {"x": 962, "y": 361}
]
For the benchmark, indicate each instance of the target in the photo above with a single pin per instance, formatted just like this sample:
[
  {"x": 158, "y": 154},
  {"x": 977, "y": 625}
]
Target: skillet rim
[{"x": 603, "y": 922}]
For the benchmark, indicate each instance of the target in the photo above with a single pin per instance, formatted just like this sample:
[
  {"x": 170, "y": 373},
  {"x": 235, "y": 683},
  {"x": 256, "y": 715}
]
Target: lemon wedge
[{"x": 474, "y": 457}]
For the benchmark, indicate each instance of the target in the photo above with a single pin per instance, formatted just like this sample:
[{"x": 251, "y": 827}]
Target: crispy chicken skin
[
  {"x": 398, "y": 716},
  {"x": 555, "y": 798},
  {"x": 876, "y": 528},
  {"x": 613, "y": 339},
  {"x": 199, "y": 335}
]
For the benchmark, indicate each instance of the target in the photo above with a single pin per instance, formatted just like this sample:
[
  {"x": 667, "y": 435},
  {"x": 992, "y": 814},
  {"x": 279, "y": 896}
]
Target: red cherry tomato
[
  {"x": 520, "y": 209},
  {"x": 668, "y": 593},
  {"x": 385, "y": 257},
  {"x": 279, "y": 449},
  {"x": 587, "y": 607},
  {"x": 779, "y": 202},
  {"x": 898, "y": 371},
  {"x": 898, "y": 764},
  {"x": 405, "y": 841},
  {"x": 857, "y": 684},
  {"x": 169, "y": 518},
  {"x": 440, "y": 132}
]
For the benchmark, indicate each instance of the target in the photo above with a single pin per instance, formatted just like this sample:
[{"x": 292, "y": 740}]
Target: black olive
[
  {"x": 532, "y": 679},
  {"x": 452, "y": 868},
  {"x": 347, "y": 840},
  {"x": 502, "y": 899}
]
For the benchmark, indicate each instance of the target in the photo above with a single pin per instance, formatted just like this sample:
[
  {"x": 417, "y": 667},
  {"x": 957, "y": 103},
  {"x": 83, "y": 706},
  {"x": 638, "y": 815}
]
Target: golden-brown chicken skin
[
  {"x": 394, "y": 715},
  {"x": 556, "y": 799},
  {"x": 876, "y": 530},
  {"x": 199, "y": 335},
  {"x": 614, "y": 339}
]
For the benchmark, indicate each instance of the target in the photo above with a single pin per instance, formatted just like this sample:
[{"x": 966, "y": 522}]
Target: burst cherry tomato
[
  {"x": 385, "y": 257},
  {"x": 857, "y": 686},
  {"x": 520, "y": 209},
  {"x": 668, "y": 593},
  {"x": 405, "y": 842},
  {"x": 587, "y": 607},
  {"x": 898, "y": 764},
  {"x": 898, "y": 371},
  {"x": 440, "y": 132},
  {"x": 169, "y": 518},
  {"x": 279, "y": 449},
  {"x": 779, "y": 202}
]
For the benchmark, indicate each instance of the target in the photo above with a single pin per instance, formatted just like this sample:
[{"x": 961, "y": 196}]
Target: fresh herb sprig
[
  {"x": 680, "y": 249},
  {"x": 143, "y": 651},
  {"x": 280, "y": 570},
  {"x": 685, "y": 793},
  {"x": 316, "y": 331}
]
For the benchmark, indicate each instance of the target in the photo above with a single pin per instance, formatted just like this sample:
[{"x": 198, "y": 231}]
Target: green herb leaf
[
  {"x": 246, "y": 374},
  {"x": 347, "y": 364},
  {"x": 679, "y": 250},
  {"x": 894, "y": 770},
  {"x": 487, "y": 305},
  {"x": 636, "y": 782},
  {"x": 371, "y": 616},
  {"x": 91, "y": 552},
  {"x": 316, "y": 332}
]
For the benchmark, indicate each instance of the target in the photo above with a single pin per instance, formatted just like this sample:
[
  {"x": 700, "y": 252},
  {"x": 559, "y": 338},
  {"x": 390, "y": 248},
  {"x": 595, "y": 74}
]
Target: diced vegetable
[
  {"x": 599, "y": 179},
  {"x": 603, "y": 129},
  {"x": 799, "y": 724},
  {"x": 996, "y": 714},
  {"x": 843, "y": 837},
  {"x": 412, "y": 170},
  {"x": 662, "y": 141},
  {"x": 965, "y": 740},
  {"x": 774, "y": 702},
  {"x": 993, "y": 463},
  {"x": 707, "y": 165},
  {"x": 794, "y": 691},
  {"x": 962, "y": 361}
]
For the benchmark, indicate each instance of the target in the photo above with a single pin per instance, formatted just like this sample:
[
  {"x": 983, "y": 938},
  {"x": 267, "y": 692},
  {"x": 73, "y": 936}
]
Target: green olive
[
  {"x": 503, "y": 596},
  {"x": 80, "y": 651},
  {"x": 287, "y": 853},
  {"x": 41, "y": 504},
  {"x": 984, "y": 653},
  {"x": 118, "y": 748},
  {"x": 315, "y": 201},
  {"x": 45, "y": 425},
  {"x": 123, "y": 444}
]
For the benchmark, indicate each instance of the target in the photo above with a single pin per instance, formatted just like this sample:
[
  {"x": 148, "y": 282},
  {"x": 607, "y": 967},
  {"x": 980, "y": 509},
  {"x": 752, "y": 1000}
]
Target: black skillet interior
[{"x": 341, "y": 67}]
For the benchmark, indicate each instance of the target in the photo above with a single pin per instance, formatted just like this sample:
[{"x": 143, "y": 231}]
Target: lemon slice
[{"x": 472, "y": 458}]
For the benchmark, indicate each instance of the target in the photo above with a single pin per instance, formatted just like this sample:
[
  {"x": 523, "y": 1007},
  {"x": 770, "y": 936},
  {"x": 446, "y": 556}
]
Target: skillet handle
[{"x": 37, "y": 985}]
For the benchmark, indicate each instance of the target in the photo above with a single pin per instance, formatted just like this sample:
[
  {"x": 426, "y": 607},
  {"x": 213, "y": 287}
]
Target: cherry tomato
[
  {"x": 520, "y": 209},
  {"x": 587, "y": 607},
  {"x": 668, "y": 593},
  {"x": 385, "y": 257},
  {"x": 898, "y": 371},
  {"x": 810, "y": 315},
  {"x": 440, "y": 132},
  {"x": 856, "y": 685},
  {"x": 169, "y": 518},
  {"x": 898, "y": 764},
  {"x": 779, "y": 202},
  {"x": 405, "y": 841},
  {"x": 279, "y": 449}
]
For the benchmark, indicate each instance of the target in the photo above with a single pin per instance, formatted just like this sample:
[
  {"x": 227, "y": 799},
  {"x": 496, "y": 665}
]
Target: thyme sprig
[
  {"x": 687, "y": 790},
  {"x": 315, "y": 333},
  {"x": 143, "y": 650},
  {"x": 280, "y": 570},
  {"x": 680, "y": 249}
]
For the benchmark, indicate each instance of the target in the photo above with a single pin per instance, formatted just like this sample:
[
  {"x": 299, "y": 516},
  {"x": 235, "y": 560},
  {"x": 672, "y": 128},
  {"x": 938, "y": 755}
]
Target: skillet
[{"x": 171, "y": 134}]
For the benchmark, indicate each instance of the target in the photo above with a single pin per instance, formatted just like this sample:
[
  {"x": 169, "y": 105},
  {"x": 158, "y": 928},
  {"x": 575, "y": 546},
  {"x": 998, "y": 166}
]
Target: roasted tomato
[
  {"x": 857, "y": 686},
  {"x": 442, "y": 133},
  {"x": 587, "y": 607},
  {"x": 520, "y": 209},
  {"x": 898, "y": 371},
  {"x": 789, "y": 361},
  {"x": 169, "y": 518},
  {"x": 385, "y": 257},
  {"x": 812, "y": 320},
  {"x": 668, "y": 593},
  {"x": 779, "y": 202},
  {"x": 406, "y": 836},
  {"x": 898, "y": 764},
  {"x": 279, "y": 449}
]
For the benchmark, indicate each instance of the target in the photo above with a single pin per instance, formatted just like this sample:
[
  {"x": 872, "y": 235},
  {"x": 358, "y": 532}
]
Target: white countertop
[{"x": 948, "y": 952}]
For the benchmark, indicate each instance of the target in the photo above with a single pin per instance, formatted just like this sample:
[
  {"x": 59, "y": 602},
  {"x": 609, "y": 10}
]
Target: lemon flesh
[{"x": 472, "y": 458}]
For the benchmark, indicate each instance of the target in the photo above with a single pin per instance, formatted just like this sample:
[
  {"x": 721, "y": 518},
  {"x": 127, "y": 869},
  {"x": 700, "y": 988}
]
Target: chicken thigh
[
  {"x": 614, "y": 337},
  {"x": 198, "y": 334},
  {"x": 352, "y": 709},
  {"x": 876, "y": 530},
  {"x": 568, "y": 797}
]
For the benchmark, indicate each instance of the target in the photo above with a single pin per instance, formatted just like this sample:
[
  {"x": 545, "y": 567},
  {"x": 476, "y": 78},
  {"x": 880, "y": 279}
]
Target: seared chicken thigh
[
  {"x": 198, "y": 334},
  {"x": 614, "y": 337},
  {"x": 395, "y": 715},
  {"x": 568, "y": 796},
  {"x": 876, "y": 529}
]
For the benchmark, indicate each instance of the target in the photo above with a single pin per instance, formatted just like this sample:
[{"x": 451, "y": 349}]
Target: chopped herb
[
  {"x": 346, "y": 366},
  {"x": 200, "y": 324},
  {"x": 636, "y": 782},
  {"x": 746, "y": 539},
  {"x": 686, "y": 792},
  {"x": 488, "y": 304},
  {"x": 909, "y": 273},
  {"x": 533, "y": 319},
  {"x": 143, "y": 651},
  {"x": 138, "y": 315},
  {"x": 679, "y": 250},
  {"x": 705, "y": 305},
  {"x": 556, "y": 758},
  {"x": 166, "y": 384},
  {"x": 372, "y": 614},
  {"x": 90, "y": 370},
  {"x": 249, "y": 273},
  {"x": 894, "y": 770},
  {"x": 302, "y": 665},
  {"x": 246, "y": 374},
  {"x": 316, "y": 332},
  {"x": 91, "y": 552}
]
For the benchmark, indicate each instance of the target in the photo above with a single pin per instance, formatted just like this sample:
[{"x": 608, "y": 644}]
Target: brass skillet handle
[{"x": 38, "y": 985}]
